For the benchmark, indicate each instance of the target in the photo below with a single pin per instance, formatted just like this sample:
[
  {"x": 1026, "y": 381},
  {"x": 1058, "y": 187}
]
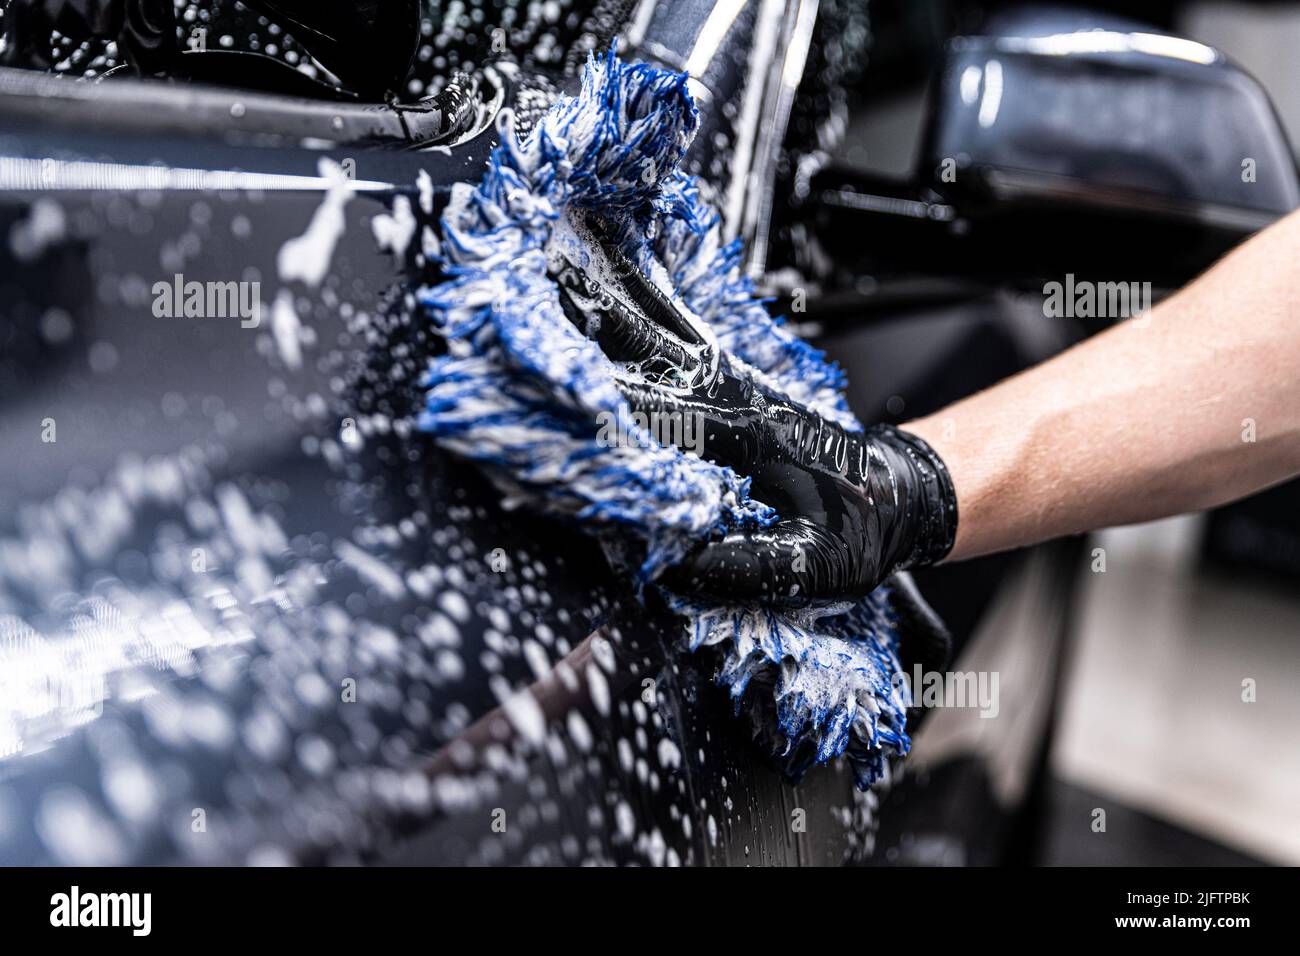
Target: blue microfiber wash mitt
[{"x": 526, "y": 394}]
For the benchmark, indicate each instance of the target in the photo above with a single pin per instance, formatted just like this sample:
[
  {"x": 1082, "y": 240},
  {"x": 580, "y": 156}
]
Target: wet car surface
[{"x": 250, "y": 614}]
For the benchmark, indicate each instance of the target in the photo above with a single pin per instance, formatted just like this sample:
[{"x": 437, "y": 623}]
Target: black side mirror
[
  {"x": 1068, "y": 142},
  {"x": 1094, "y": 113}
]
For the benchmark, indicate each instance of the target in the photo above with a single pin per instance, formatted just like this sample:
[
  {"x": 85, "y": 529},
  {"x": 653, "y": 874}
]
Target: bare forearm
[{"x": 1189, "y": 406}]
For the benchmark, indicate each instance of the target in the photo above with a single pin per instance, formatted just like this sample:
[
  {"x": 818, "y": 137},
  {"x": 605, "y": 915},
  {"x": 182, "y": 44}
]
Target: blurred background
[{"x": 1152, "y": 725}]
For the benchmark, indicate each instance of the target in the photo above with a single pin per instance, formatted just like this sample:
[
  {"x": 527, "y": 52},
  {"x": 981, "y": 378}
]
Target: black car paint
[{"x": 561, "y": 801}]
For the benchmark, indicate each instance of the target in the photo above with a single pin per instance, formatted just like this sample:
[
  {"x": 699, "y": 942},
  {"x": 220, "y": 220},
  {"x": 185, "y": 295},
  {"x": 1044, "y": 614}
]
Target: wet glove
[{"x": 854, "y": 506}]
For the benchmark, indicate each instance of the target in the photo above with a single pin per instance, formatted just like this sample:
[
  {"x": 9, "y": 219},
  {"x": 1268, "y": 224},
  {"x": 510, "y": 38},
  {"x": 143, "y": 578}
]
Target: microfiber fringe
[
  {"x": 526, "y": 395},
  {"x": 838, "y": 688}
]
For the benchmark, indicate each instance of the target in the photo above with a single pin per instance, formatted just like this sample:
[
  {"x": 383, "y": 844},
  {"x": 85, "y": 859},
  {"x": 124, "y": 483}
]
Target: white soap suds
[
  {"x": 393, "y": 232},
  {"x": 371, "y": 569},
  {"x": 307, "y": 258},
  {"x": 425, "y": 185},
  {"x": 46, "y": 226},
  {"x": 285, "y": 328}
]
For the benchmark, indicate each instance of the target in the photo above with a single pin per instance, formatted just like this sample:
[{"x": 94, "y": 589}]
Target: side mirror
[
  {"x": 1088, "y": 113},
  {"x": 1059, "y": 143}
]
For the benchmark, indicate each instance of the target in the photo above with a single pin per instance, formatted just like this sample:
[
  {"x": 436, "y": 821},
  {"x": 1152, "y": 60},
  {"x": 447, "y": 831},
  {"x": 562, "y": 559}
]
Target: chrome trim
[
  {"x": 23, "y": 174},
  {"x": 783, "y": 83}
]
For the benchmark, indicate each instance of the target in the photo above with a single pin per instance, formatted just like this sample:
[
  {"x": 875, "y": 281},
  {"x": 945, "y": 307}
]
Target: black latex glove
[{"x": 854, "y": 506}]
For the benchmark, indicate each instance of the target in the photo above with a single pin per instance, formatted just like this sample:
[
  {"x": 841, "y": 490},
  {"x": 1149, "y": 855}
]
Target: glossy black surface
[
  {"x": 510, "y": 701},
  {"x": 1083, "y": 108}
]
